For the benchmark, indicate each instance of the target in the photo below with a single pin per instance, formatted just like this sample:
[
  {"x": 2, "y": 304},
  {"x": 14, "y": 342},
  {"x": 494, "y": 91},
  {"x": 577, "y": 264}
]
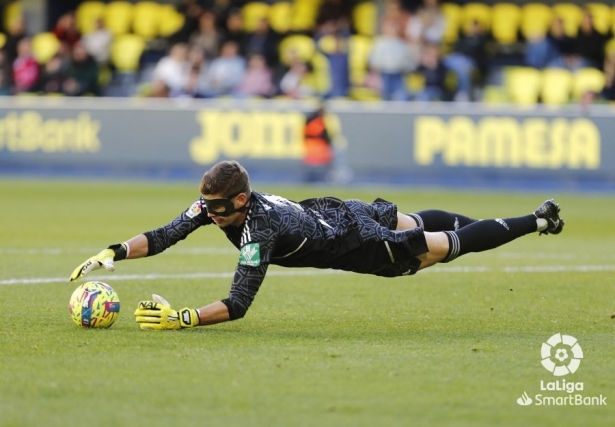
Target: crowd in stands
[{"x": 408, "y": 55}]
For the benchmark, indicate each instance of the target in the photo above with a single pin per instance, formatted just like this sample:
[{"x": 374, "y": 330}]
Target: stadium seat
[
  {"x": 452, "y": 14},
  {"x": 86, "y": 15},
  {"x": 2, "y": 40},
  {"x": 280, "y": 16},
  {"x": 587, "y": 80},
  {"x": 44, "y": 46},
  {"x": 523, "y": 85},
  {"x": 145, "y": 19},
  {"x": 359, "y": 49},
  {"x": 364, "y": 18},
  {"x": 303, "y": 46},
  {"x": 321, "y": 75},
  {"x": 602, "y": 15},
  {"x": 126, "y": 50},
  {"x": 12, "y": 12},
  {"x": 170, "y": 20},
  {"x": 571, "y": 14},
  {"x": 505, "y": 18},
  {"x": 253, "y": 12},
  {"x": 535, "y": 19},
  {"x": 118, "y": 17},
  {"x": 304, "y": 14},
  {"x": 475, "y": 12},
  {"x": 556, "y": 86}
]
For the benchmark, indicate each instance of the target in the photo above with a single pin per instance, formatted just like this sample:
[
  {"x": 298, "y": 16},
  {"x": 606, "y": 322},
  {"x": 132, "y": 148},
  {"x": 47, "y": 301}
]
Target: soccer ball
[{"x": 94, "y": 305}]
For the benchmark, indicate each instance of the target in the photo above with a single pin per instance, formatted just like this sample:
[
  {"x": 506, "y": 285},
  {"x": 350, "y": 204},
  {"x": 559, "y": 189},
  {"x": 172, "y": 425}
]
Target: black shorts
[{"x": 383, "y": 251}]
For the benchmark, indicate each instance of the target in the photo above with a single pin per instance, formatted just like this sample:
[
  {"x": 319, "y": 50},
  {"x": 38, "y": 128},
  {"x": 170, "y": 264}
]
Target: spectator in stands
[
  {"x": 54, "y": 73},
  {"x": 196, "y": 83},
  {"x": 82, "y": 74},
  {"x": 15, "y": 33},
  {"x": 258, "y": 80},
  {"x": 427, "y": 25},
  {"x": 5, "y": 75},
  {"x": 25, "y": 68},
  {"x": 191, "y": 10},
  {"x": 391, "y": 57},
  {"x": 590, "y": 43},
  {"x": 233, "y": 30},
  {"x": 339, "y": 68},
  {"x": 226, "y": 71},
  {"x": 66, "y": 29},
  {"x": 469, "y": 55},
  {"x": 173, "y": 68},
  {"x": 296, "y": 82},
  {"x": 333, "y": 10},
  {"x": 207, "y": 37},
  {"x": 550, "y": 49},
  {"x": 263, "y": 41},
  {"x": 157, "y": 89},
  {"x": 98, "y": 42},
  {"x": 434, "y": 72},
  {"x": 608, "y": 92}
]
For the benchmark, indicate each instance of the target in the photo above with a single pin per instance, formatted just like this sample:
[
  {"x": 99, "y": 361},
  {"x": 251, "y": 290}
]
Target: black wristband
[{"x": 120, "y": 251}]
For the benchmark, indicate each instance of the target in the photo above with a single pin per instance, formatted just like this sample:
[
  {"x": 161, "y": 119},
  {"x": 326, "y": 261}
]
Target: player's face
[{"x": 222, "y": 210}]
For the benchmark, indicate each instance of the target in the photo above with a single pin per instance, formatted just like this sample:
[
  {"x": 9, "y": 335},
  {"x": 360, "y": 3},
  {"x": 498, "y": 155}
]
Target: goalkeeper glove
[
  {"x": 158, "y": 315},
  {"x": 104, "y": 259}
]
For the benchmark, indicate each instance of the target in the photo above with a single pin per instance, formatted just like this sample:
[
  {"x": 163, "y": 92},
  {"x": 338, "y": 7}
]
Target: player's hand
[
  {"x": 158, "y": 315},
  {"x": 103, "y": 259}
]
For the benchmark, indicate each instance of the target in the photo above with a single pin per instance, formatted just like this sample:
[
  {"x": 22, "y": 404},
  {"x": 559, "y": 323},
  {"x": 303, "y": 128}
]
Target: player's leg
[
  {"x": 489, "y": 234},
  {"x": 433, "y": 220}
]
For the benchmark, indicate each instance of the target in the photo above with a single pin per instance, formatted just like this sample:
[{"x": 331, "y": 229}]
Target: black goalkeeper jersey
[{"x": 324, "y": 232}]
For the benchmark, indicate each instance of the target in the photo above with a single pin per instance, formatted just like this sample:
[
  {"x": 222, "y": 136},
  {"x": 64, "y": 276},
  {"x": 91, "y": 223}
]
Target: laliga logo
[{"x": 561, "y": 355}]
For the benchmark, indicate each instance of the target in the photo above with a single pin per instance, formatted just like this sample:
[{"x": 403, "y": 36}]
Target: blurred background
[{"x": 492, "y": 94}]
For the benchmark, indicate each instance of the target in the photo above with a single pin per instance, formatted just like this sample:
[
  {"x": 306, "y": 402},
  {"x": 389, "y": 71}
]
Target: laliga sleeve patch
[
  {"x": 194, "y": 210},
  {"x": 250, "y": 255}
]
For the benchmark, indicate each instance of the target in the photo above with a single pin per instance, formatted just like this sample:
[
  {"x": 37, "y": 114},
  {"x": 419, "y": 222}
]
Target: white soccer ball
[{"x": 94, "y": 305}]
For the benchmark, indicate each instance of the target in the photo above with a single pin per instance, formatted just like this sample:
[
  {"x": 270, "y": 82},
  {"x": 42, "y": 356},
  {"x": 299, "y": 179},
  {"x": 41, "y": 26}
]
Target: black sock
[
  {"x": 437, "y": 220},
  {"x": 487, "y": 234}
]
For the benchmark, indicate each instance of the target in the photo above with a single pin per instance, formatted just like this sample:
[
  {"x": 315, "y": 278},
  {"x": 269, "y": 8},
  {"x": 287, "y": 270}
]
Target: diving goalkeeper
[{"x": 351, "y": 235}]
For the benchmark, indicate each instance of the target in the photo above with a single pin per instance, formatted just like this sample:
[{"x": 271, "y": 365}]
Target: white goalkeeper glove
[
  {"x": 104, "y": 258},
  {"x": 158, "y": 315}
]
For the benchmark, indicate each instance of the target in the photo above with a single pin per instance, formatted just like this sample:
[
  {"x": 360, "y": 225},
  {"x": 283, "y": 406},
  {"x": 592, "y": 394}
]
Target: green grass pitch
[{"x": 454, "y": 345}]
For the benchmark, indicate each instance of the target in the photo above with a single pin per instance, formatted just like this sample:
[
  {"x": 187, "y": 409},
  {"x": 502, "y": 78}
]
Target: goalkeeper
[{"x": 351, "y": 235}]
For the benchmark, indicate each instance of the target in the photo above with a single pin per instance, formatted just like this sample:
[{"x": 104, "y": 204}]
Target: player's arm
[
  {"x": 147, "y": 244},
  {"x": 157, "y": 314}
]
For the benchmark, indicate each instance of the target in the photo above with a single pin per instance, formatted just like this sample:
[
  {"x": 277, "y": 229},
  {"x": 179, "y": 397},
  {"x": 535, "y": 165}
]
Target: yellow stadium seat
[
  {"x": 506, "y": 18},
  {"x": 321, "y": 75},
  {"x": 253, "y": 12},
  {"x": 452, "y": 14},
  {"x": 280, "y": 15},
  {"x": 475, "y": 12},
  {"x": 535, "y": 19},
  {"x": 556, "y": 86},
  {"x": 365, "y": 18},
  {"x": 126, "y": 50},
  {"x": 44, "y": 46},
  {"x": 603, "y": 18},
  {"x": 523, "y": 85},
  {"x": 304, "y": 14},
  {"x": 2, "y": 40},
  {"x": 87, "y": 13},
  {"x": 12, "y": 13},
  {"x": 587, "y": 80},
  {"x": 170, "y": 20},
  {"x": 571, "y": 14},
  {"x": 118, "y": 17},
  {"x": 301, "y": 45},
  {"x": 610, "y": 47},
  {"x": 359, "y": 49},
  {"x": 146, "y": 19}
]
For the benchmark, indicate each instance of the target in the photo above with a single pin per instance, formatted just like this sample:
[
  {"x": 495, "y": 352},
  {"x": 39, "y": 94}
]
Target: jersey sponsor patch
[
  {"x": 250, "y": 255},
  {"x": 194, "y": 210}
]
